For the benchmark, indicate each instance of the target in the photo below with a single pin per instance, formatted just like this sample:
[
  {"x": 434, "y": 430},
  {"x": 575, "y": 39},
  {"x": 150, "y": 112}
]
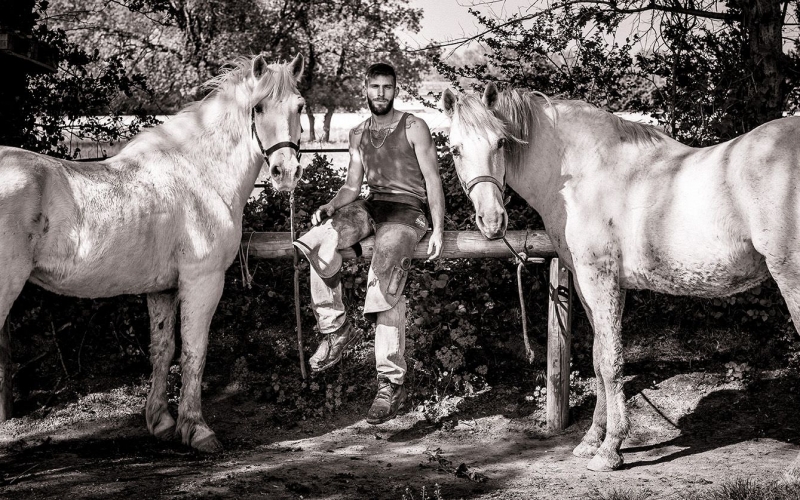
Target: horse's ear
[
  {"x": 296, "y": 66},
  {"x": 448, "y": 102},
  {"x": 490, "y": 95},
  {"x": 259, "y": 67}
]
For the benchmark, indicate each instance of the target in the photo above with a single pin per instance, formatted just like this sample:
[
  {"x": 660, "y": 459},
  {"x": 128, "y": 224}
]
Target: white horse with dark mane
[
  {"x": 162, "y": 217},
  {"x": 626, "y": 206}
]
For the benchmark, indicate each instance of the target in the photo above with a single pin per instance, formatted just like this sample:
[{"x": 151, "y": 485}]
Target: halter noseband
[
  {"x": 267, "y": 152},
  {"x": 467, "y": 186}
]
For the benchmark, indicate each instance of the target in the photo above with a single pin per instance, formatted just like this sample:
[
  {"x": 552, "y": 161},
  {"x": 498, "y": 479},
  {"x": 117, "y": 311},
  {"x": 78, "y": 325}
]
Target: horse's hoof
[
  {"x": 165, "y": 431},
  {"x": 165, "y": 428},
  {"x": 585, "y": 450},
  {"x": 208, "y": 444},
  {"x": 601, "y": 463}
]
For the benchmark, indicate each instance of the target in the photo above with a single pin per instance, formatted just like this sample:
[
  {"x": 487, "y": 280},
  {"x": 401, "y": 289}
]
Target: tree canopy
[
  {"x": 708, "y": 70},
  {"x": 179, "y": 44}
]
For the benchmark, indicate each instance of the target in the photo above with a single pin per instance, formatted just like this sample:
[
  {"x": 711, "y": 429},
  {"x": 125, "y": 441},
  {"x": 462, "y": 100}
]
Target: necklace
[{"x": 384, "y": 131}]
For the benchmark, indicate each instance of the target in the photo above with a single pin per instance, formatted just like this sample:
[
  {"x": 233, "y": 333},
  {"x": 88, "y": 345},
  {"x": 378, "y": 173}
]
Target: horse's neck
[
  {"x": 214, "y": 148},
  {"x": 537, "y": 176}
]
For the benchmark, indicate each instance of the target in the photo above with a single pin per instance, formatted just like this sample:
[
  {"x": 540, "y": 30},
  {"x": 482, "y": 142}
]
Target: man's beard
[{"x": 379, "y": 109}]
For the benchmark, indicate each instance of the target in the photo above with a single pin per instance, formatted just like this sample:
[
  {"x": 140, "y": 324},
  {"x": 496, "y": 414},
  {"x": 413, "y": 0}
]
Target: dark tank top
[{"x": 392, "y": 168}]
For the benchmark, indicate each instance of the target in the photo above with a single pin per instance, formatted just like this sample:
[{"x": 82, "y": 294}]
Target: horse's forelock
[
  {"x": 277, "y": 84},
  {"x": 475, "y": 118}
]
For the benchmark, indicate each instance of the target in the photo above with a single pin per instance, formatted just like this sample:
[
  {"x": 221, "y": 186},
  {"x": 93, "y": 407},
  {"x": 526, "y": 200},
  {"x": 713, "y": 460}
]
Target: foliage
[
  {"x": 181, "y": 44},
  {"x": 80, "y": 101},
  {"x": 706, "y": 72}
]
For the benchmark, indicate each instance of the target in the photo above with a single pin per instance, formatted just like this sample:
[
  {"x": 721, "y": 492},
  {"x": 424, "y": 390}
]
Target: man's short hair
[{"x": 380, "y": 69}]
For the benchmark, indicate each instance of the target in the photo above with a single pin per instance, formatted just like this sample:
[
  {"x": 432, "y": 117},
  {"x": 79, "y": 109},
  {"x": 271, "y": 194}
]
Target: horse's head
[
  {"x": 275, "y": 111},
  {"x": 477, "y": 140}
]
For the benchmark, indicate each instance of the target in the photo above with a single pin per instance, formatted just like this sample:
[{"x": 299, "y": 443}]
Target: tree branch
[{"x": 611, "y": 4}]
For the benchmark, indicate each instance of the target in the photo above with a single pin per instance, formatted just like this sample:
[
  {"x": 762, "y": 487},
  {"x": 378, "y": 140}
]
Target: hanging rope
[
  {"x": 522, "y": 258},
  {"x": 297, "y": 290},
  {"x": 244, "y": 267}
]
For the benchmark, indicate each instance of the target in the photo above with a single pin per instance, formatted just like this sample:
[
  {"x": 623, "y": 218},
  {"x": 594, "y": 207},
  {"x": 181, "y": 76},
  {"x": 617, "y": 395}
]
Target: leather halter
[
  {"x": 467, "y": 186},
  {"x": 267, "y": 152}
]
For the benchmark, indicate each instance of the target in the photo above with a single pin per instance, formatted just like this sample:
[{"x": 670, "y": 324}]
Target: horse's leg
[
  {"x": 199, "y": 297},
  {"x": 17, "y": 266},
  {"x": 162, "y": 308},
  {"x": 786, "y": 273},
  {"x": 597, "y": 432},
  {"x": 603, "y": 297}
]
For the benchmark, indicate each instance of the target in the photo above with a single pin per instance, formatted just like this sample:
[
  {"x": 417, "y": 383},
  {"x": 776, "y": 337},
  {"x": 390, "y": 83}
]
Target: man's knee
[{"x": 320, "y": 247}]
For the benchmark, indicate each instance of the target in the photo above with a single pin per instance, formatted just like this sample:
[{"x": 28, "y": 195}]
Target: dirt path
[{"x": 690, "y": 432}]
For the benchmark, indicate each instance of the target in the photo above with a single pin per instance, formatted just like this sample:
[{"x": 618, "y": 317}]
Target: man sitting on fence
[{"x": 395, "y": 151}]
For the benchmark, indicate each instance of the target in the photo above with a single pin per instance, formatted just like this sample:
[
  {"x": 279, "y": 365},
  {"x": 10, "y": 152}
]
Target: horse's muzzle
[
  {"x": 285, "y": 175},
  {"x": 492, "y": 226}
]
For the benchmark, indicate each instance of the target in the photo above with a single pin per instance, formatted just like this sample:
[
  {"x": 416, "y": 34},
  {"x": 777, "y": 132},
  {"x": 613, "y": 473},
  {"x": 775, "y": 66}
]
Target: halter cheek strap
[{"x": 267, "y": 152}]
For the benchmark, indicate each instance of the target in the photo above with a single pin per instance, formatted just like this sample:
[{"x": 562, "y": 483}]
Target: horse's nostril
[{"x": 275, "y": 171}]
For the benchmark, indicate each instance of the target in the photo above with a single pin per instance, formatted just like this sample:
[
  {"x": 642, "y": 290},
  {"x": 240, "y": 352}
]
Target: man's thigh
[{"x": 394, "y": 248}]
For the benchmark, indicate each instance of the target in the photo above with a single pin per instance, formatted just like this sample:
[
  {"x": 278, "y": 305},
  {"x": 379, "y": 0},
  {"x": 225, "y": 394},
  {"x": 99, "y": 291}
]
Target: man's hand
[
  {"x": 322, "y": 213},
  {"x": 435, "y": 245}
]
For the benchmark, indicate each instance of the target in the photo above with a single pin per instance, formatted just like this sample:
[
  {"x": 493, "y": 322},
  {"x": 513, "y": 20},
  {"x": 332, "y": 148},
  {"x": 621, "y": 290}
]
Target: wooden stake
[
  {"x": 6, "y": 387},
  {"x": 559, "y": 338}
]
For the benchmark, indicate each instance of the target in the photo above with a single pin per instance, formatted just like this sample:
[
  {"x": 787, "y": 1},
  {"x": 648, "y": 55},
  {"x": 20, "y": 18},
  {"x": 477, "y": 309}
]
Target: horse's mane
[
  {"x": 519, "y": 115},
  {"x": 516, "y": 116},
  {"x": 278, "y": 83}
]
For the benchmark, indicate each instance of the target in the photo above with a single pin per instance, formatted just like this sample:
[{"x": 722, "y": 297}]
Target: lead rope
[
  {"x": 297, "y": 289},
  {"x": 522, "y": 258}
]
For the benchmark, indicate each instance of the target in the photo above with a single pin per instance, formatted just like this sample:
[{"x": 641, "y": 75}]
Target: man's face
[{"x": 380, "y": 94}]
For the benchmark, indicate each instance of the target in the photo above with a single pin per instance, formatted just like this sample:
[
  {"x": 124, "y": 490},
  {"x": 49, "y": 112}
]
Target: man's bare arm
[
  {"x": 349, "y": 192},
  {"x": 419, "y": 135}
]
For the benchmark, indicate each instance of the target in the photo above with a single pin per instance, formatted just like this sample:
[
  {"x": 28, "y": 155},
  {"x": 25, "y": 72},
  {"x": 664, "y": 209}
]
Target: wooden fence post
[
  {"x": 6, "y": 389},
  {"x": 559, "y": 338}
]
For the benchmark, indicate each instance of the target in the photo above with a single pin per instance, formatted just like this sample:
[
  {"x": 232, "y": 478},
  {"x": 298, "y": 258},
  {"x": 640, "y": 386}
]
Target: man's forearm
[
  {"x": 436, "y": 204},
  {"x": 345, "y": 196}
]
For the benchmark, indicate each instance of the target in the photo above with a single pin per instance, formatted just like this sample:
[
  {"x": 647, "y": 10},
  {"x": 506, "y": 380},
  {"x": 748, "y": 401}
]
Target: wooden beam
[
  {"x": 559, "y": 340},
  {"x": 457, "y": 245},
  {"x": 472, "y": 245}
]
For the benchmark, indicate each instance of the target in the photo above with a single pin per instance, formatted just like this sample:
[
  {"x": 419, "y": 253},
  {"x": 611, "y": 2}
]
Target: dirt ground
[{"x": 690, "y": 431}]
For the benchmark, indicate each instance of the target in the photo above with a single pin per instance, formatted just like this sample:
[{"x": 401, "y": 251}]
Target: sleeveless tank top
[{"x": 392, "y": 168}]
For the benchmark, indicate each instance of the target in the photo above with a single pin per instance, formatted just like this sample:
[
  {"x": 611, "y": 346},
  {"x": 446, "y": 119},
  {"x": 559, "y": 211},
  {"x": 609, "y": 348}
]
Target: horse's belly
[
  {"x": 94, "y": 265},
  {"x": 105, "y": 279},
  {"x": 711, "y": 275}
]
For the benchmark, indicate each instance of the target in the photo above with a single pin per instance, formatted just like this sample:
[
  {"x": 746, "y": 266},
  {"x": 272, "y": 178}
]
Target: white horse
[
  {"x": 163, "y": 217},
  {"x": 626, "y": 206}
]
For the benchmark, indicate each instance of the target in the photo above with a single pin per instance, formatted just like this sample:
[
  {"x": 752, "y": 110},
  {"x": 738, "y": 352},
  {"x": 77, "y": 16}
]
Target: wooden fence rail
[{"x": 472, "y": 245}]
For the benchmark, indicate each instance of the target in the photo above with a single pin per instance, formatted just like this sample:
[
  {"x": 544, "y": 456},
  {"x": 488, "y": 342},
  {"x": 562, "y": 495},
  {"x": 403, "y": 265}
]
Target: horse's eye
[
  {"x": 259, "y": 108},
  {"x": 501, "y": 143},
  {"x": 456, "y": 151}
]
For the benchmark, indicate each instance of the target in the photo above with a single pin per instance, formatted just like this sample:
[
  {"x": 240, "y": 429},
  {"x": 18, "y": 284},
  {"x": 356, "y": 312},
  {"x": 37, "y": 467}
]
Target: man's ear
[
  {"x": 448, "y": 102},
  {"x": 490, "y": 95}
]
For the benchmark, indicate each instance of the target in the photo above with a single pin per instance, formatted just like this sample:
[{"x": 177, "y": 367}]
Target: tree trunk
[
  {"x": 312, "y": 134},
  {"x": 766, "y": 64},
  {"x": 326, "y": 124},
  {"x": 17, "y": 17}
]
